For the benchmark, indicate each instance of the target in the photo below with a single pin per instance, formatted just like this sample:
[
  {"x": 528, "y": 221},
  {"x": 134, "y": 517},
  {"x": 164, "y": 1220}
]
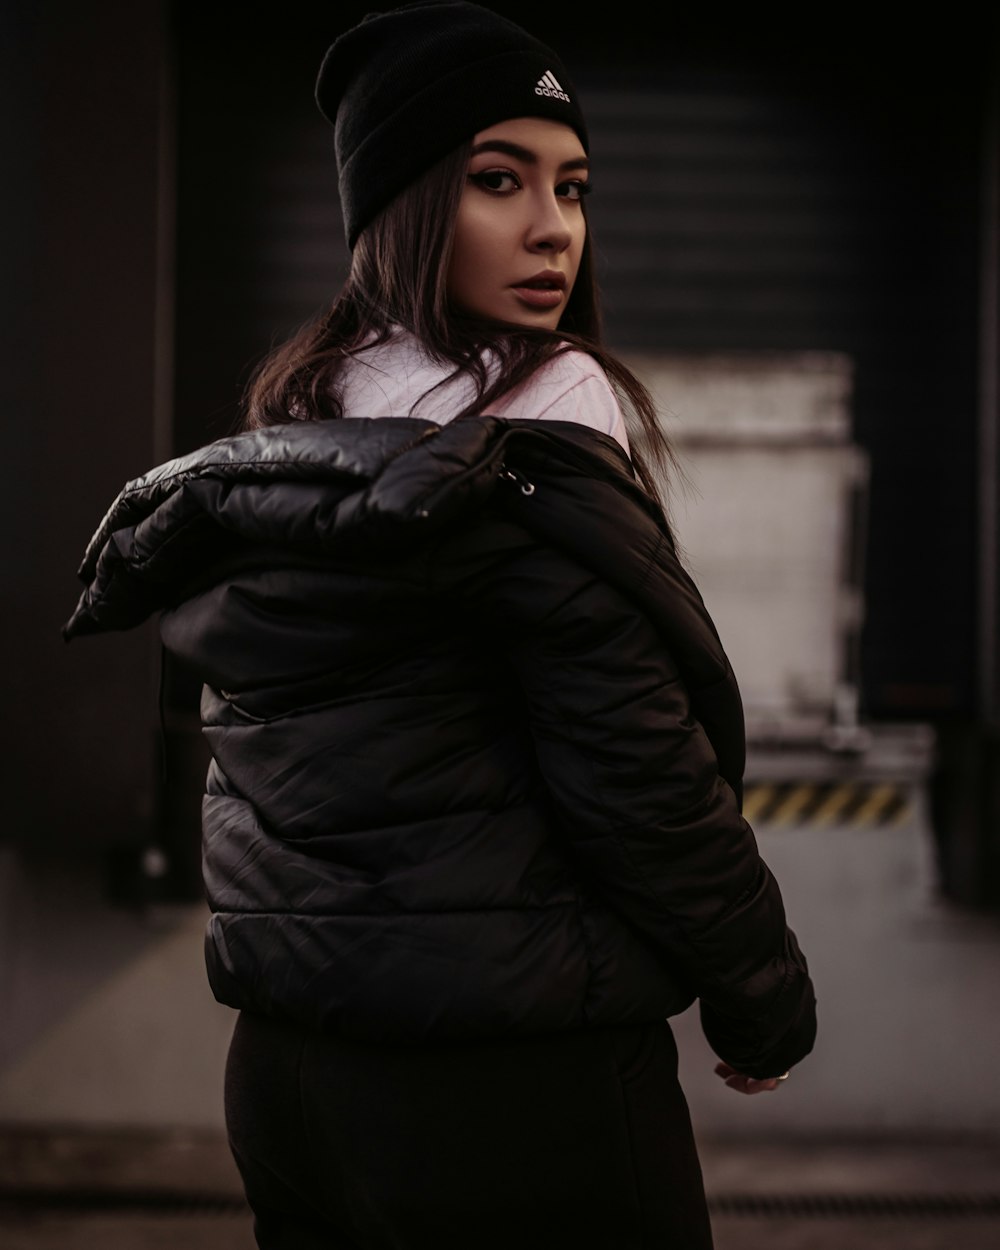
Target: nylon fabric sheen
[{"x": 477, "y": 748}]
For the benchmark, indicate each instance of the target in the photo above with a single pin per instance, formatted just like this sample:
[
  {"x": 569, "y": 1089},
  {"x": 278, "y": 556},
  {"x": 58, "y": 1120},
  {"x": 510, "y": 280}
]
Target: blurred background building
[{"x": 797, "y": 229}]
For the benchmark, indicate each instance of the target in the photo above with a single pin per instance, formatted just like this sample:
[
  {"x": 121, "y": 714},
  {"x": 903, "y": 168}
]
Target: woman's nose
[{"x": 548, "y": 231}]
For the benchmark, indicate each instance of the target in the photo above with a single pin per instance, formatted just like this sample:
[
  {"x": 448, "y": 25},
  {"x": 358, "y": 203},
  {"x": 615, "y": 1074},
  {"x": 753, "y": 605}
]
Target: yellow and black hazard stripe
[{"x": 820, "y": 804}]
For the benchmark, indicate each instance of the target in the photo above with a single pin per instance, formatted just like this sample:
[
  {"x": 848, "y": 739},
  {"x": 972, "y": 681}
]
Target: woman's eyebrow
[{"x": 523, "y": 154}]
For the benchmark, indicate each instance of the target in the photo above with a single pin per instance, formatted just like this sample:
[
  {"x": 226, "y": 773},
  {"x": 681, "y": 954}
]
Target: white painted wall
[{"x": 762, "y": 508}]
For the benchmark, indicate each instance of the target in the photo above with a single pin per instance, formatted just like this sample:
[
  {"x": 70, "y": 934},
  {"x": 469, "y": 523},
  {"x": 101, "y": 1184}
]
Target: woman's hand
[{"x": 747, "y": 1084}]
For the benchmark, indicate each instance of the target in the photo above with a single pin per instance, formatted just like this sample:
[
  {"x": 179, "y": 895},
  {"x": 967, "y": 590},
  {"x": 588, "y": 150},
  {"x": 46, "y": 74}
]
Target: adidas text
[{"x": 549, "y": 85}]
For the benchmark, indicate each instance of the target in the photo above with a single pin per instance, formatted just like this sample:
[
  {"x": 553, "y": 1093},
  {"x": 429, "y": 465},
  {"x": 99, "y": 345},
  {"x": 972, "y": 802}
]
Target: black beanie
[{"x": 405, "y": 87}]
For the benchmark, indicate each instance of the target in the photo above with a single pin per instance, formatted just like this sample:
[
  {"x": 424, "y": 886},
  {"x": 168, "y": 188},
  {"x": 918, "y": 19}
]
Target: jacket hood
[
  {"x": 382, "y": 486},
  {"x": 351, "y": 485}
]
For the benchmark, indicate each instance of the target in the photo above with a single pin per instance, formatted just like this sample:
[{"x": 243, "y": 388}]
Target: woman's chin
[{"x": 511, "y": 317}]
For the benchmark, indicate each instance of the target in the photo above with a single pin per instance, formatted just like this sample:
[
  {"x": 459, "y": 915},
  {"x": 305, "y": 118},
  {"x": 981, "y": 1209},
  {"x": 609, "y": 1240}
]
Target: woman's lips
[{"x": 539, "y": 296}]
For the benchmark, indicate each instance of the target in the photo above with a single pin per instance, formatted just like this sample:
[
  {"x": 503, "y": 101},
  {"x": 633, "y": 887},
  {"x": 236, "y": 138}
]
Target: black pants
[{"x": 577, "y": 1141}]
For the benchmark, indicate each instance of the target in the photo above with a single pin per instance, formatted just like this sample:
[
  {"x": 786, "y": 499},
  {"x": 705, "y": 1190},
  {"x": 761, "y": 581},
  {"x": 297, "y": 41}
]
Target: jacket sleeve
[{"x": 637, "y": 789}]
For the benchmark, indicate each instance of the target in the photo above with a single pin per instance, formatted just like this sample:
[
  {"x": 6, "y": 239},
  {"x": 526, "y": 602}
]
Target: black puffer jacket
[{"x": 477, "y": 746}]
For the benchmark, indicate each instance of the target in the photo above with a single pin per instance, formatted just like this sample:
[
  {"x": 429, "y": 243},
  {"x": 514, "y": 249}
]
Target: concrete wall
[
  {"x": 85, "y": 380},
  {"x": 765, "y": 508},
  {"x": 80, "y": 741}
]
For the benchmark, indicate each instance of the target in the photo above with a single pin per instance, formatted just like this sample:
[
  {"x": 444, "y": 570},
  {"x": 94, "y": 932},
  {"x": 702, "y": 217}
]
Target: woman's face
[{"x": 520, "y": 228}]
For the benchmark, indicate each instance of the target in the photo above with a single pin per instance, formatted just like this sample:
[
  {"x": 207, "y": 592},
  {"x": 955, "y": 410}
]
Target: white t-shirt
[{"x": 395, "y": 379}]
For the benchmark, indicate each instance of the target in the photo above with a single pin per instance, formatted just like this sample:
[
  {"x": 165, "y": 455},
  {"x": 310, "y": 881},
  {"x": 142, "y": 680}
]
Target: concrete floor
[{"x": 799, "y": 1195}]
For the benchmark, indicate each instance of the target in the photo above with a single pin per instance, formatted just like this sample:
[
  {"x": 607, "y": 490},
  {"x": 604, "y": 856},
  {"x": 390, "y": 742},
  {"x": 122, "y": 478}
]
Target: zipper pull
[{"x": 514, "y": 475}]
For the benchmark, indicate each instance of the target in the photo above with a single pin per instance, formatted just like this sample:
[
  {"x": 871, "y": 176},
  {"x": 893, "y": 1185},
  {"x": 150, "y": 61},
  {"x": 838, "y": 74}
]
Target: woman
[{"x": 472, "y": 828}]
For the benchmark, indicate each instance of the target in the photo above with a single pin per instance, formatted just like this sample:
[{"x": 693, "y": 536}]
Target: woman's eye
[
  {"x": 575, "y": 190},
  {"x": 497, "y": 181}
]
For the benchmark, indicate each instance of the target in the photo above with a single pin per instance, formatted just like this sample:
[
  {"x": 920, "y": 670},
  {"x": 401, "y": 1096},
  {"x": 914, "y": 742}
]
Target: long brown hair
[{"x": 397, "y": 279}]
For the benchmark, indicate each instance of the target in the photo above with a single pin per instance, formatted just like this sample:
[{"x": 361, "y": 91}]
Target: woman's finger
[{"x": 746, "y": 1084}]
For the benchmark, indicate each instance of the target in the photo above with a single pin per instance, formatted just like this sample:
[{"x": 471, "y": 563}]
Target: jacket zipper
[{"x": 515, "y": 475}]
